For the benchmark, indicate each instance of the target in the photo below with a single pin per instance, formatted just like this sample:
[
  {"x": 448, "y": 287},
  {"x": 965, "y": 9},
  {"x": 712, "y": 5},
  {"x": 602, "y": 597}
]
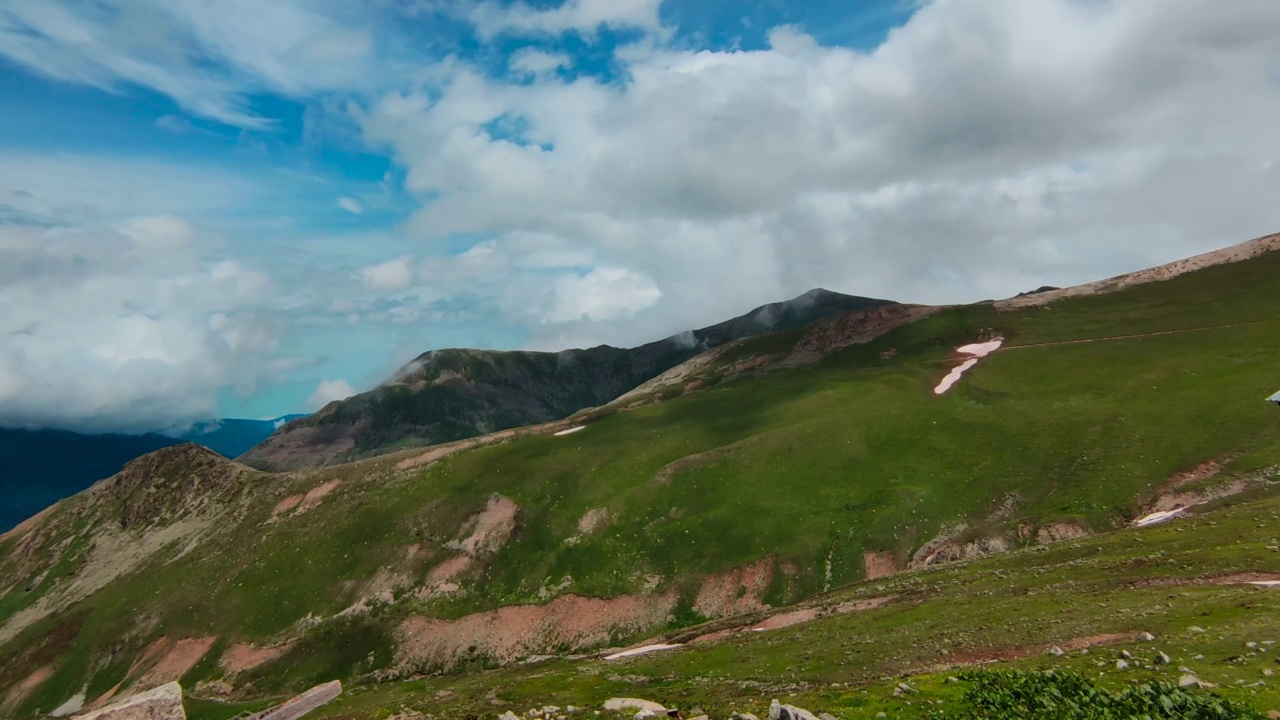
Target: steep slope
[
  {"x": 734, "y": 496},
  {"x": 448, "y": 395},
  {"x": 41, "y": 467}
]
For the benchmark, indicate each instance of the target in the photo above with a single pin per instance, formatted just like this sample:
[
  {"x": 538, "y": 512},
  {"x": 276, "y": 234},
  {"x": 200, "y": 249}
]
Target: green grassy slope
[
  {"x": 809, "y": 467},
  {"x": 1008, "y": 610}
]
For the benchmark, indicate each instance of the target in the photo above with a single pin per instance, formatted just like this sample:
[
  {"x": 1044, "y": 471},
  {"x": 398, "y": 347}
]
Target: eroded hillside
[{"x": 781, "y": 467}]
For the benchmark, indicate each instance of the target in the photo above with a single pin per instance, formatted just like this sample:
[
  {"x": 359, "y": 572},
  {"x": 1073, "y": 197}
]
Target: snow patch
[
  {"x": 570, "y": 431},
  {"x": 644, "y": 650},
  {"x": 976, "y": 352},
  {"x": 1159, "y": 517}
]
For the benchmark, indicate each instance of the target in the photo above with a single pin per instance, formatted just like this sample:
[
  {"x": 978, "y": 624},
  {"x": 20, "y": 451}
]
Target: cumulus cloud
[
  {"x": 124, "y": 329},
  {"x": 330, "y": 391},
  {"x": 983, "y": 149},
  {"x": 605, "y": 293},
  {"x": 389, "y": 275},
  {"x": 532, "y": 61},
  {"x": 351, "y": 205},
  {"x": 584, "y": 16}
]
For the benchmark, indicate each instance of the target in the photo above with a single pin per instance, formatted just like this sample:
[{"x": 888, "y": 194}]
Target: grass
[{"x": 807, "y": 466}]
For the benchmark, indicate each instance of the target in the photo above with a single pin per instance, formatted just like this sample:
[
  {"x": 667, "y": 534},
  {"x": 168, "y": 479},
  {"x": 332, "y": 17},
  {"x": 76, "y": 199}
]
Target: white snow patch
[
  {"x": 71, "y": 706},
  {"x": 975, "y": 351},
  {"x": 645, "y": 650},
  {"x": 1159, "y": 517},
  {"x": 1265, "y": 583},
  {"x": 571, "y": 430}
]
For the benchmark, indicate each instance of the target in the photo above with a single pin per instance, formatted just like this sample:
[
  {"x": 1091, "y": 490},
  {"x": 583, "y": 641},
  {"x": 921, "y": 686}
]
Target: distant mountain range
[
  {"x": 40, "y": 467},
  {"x": 452, "y": 394}
]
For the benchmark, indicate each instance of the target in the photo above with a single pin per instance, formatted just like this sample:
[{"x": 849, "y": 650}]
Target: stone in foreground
[{"x": 162, "y": 703}]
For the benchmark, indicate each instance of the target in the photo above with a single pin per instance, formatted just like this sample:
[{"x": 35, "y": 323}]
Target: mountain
[
  {"x": 453, "y": 394},
  {"x": 812, "y": 514},
  {"x": 40, "y": 467}
]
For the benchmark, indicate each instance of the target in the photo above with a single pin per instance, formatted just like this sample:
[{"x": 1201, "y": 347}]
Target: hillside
[
  {"x": 772, "y": 470},
  {"x": 41, "y": 467},
  {"x": 453, "y": 394}
]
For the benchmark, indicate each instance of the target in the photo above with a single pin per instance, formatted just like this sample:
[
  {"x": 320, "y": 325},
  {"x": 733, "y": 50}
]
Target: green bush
[{"x": 1054, "y": 695}]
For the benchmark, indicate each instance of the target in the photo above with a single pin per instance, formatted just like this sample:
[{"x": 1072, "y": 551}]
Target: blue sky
[{"x": 254, "y": 208}]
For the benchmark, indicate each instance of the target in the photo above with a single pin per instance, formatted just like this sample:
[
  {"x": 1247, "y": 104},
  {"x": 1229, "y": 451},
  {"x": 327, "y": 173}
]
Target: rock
[
  {"x": 952, "y": 679},
  {"x": 1126, "y": 654},
  {"x": 1147, "y": 637},
  {"x": 1251, "y": 644},
  {"x": 1122, "y": 664},
  {"x": 616, "y": 704},
  {"x": 904, "y": 689},
  {"x": 1268, "y": 672},
  {"x": 162, "y": 703},
  {"x": 699, "y": 717},
  {"x": 644, "y": 714},
  {"x": 778, "y": 711},
  {"x": 508, "y": 715},
  {"x": 1057, "y": 651},
  {"x": 1162, "y": 659},
  {"x": 743, "y": 716},
  {"x": 550, "y": 710},
  {"x": 1188, "y": 680},
  {"x": 881, "y": 714},
  {"x": 827, "y": 716},
  {"x": 1195, "y": 629}
]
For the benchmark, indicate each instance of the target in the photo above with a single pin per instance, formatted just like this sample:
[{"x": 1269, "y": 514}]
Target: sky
[{"x": 253, "y": 207}]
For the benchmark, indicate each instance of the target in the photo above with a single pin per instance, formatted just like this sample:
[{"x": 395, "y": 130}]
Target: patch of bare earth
[
  {"x": 735, "y": 592},
  {"x": 315, "y": 495},
  {"x": 242, "y": 657},
  {"x": 795, "y": 617},
  {"x": 19, "y": 692},
  {"x": 1235, "y": 253},
  {"x": 879, "y": 563},
  {"x": 285, "y": 505},
  {"x": 569, "y": 622},
  {"x": 179, "y": 656},
  {"x": 489, "y": 530}
]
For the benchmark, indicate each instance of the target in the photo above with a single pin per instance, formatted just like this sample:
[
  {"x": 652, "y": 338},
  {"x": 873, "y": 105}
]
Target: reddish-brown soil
[
  {"x": 176, "y": 659},
  {"x": 878, "y": 563},
  {"x": 241, "y": 657},
  {"x": 736, "y": 592},
  {"x": 19, "y": 692},
  {"x": 569, "y": 622}
]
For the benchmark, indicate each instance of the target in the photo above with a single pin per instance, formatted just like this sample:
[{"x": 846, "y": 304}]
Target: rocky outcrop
[
  {"x": 778, "y": 711},
  {"x": 162, "y": 703}
]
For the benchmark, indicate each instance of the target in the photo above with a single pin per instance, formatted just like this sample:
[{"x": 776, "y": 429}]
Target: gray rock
[
  {"x": 1162, "y": 659},
  {"x": 826, "y": 716},
  {"x": 1057, "y": 651},
  {"x": 1147, "y": 637},
  {"x": 1126, "y": 654},
  {"x": 743, "y": 716},
  {"x": 617, "y": 704},
  {"x": 778, "y": 711},
  {"x": 1195, "y": 629},
  {"x": 508, "y": 715},
  {"x": 904, "y": 689},
  {"x": 1122, "y": 664}
]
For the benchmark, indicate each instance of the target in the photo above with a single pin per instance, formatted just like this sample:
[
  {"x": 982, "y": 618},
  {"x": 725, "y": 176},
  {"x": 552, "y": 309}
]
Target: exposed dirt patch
[
  {"x": 178, "y": 659},
  {"x": 488, "y": 530},
  {"x": 787, "y": 619},
  {"x": 285, "y": 506},
  {"x": 1235, "y": 253},
  {"x": 594, "y": 519},
  {"x": 736, "y": 592},
  {"x": 569, "y": 622},
  {"x": 440, "y": 452},
  {"x": 19, "y": 692},
  {"x": 448, "y": 570},
  {"x": 1203, "y": 471},
  {"x": 878, "y": 563},
  {"x": 1059, "y": 532},
  {"x": 312, "y": 499},
  {"x": 241, "y": 657},
  {"x": 1244, "y": 578}
]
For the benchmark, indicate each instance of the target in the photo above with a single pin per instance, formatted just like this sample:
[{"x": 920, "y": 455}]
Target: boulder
[
  {"x": 617, "y": 704},
  {"x": 162, "y": 703},
  {"x": 778, "y": 711},
  {"x": 1162, "y": 659},
  {"x": 508, "y": 715}
]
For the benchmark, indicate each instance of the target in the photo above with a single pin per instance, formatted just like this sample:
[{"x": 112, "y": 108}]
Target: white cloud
[
  {"x": 532, "y": 61},
  {"x": 985, "y": 148},
  {"x": 205, "y": 56},
  {"x": 127, "y": 330},
  {"x": 389, "y": 275},
  {"x": 330, "y": 391},
  {"x": 351, "y": 205},
  {"x": 606, "y": 293},
  {"x": 584, "y": 16}
]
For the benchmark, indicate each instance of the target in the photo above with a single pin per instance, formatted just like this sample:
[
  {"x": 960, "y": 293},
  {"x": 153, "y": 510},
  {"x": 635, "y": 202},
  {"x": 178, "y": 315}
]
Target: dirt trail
[{"x": 1137, "y": 335}]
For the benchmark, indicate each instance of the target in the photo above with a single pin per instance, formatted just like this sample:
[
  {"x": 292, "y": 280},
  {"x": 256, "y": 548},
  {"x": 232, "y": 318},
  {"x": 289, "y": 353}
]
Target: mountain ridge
[{"x": 452, "y": 394}]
